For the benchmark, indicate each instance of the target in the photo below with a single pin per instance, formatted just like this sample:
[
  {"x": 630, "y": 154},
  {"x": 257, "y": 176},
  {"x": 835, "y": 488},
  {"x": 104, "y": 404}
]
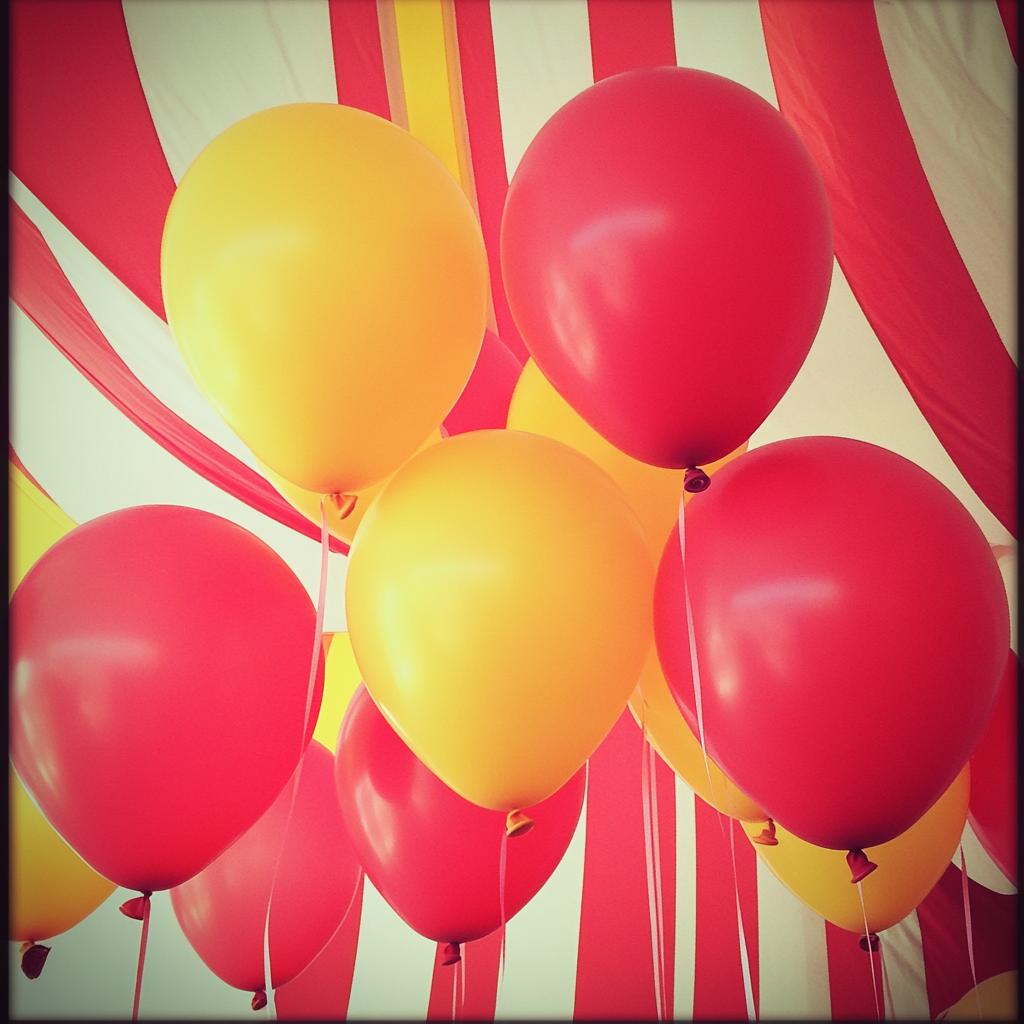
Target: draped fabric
[{"x": 908, "y": 107}]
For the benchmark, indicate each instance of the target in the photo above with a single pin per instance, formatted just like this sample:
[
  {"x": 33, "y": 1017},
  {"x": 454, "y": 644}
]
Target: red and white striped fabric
[{"x": 909, "y": 109}]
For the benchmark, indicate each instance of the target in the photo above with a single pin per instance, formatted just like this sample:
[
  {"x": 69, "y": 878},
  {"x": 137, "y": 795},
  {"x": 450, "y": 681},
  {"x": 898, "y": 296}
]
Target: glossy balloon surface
[
  {"x": 432, "y": 855},
  {"x": 160, "y": 663},
  {"x": 851, "y": 629},
  {"x": 326, "y": 281},
  {"x": 666, "y": 249},
  {"x": 498, "y": 602},
  {"x": 223, "y": 909}
]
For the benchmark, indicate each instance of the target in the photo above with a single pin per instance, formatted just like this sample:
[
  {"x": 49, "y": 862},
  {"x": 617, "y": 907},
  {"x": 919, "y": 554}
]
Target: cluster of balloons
[{"x": 666, "y": 251}]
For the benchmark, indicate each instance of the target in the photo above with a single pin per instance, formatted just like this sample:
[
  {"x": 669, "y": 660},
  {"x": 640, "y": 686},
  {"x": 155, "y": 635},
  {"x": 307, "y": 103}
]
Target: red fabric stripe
[
  {"x": 322, "y": 990},
  {"x": 849, "y": 976},
  {"x": 615, "y": 968},
  {"x": 483, "y": 124},
  {"x": 718, "y": 972},
  {"x": 944, "y": 938},
  {"x": 82, "y": 138},
  {"x": 39, "y": 287},
  {"x": 12, "y": 455},
  {"x": 358, "y": 58},
  {"x": 1008, "y": 12},
  {"x": 834, "y": 86},
  {"x": 480, "y": 959},
  {"x": 630, "y": 34}
]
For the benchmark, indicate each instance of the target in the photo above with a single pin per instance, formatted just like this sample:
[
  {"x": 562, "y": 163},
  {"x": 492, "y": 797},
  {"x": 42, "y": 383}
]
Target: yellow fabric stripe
[
  {"x": 37, "y": 523},
  {"x": 421, "y": 48}
]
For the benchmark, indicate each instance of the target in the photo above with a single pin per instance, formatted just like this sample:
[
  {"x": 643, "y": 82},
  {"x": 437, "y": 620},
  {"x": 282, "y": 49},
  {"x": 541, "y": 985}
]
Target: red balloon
[
  {"x": 160, "y": 664},
  {"x": 483, "y": 404},
  {"x": 851, "y": 629},
  {"x": 666, "y": 249},
  {"x": 430, "y": 853},
  {"x": 223, "y": 909},
  {"x": 993, "y": 807}
]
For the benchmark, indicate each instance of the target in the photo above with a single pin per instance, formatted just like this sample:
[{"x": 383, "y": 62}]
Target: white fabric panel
[
  {"x": 134, "y": 331},
  {"x": 542, "y": 942},
  {"x": 204, "y": 66},
  {"x": 848, "y": 388},
  {"x": 904, "y": 965},
  {"x": 980, "y": 866},
  {"x": 542, "y": 60},
  {"x": 726, "y": 39},
  {"x": 792, "y": 954},
  {"x": 91, "y": 460},
  {"x": 686, "y": 901},
  {"x": 394, "y": 965},
  {"x": 956, "y": 80}
]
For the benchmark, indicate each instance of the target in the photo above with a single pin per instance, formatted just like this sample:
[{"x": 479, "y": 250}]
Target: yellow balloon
[
  {"x": 908, "y": 866},
  {"x": 499, "y": 604},
  {"x": 341, "y": 678},
  {"x": 308, "y": 502},
  {"x": 652, "y": 491},
  {"x": 52, "y": 888},
  {"x": 655, "y": 710},
  {"x": 326, "y": 281},
  {"x": 998, "y": 998},
  {"x": 37, "y": 523}
]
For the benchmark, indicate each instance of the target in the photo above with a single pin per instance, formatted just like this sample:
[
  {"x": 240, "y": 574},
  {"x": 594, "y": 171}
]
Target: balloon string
[
  {"x": 501, "y": 905},
  {"x": 967, "y": 921},
  {"x": 652, "y": 903},
  {"x": 748, "y": 989},
  {"x": 871, "y": 955},
  {"x": 885, "y": 981},
  {"x": 455, "y": 983},
  {"x": 142, "y": 954},
  {"x": 658, "y": 891},
  {"x": 462, "y": 994},
  {"x": 317, "y": 649}
]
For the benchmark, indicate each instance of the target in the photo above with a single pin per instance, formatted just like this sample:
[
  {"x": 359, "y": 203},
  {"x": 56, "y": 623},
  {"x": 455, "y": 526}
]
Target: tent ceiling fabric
[{"x": 909, "y": 108}]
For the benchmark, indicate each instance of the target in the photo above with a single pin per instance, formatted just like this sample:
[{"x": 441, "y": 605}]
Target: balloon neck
[
  {"x": 451, "y": 954},
  {"x": 864, "y": 942},
  {"x": 517, "y": 824},
  {"x": 696, "y": 480},
  {"x": 343, "y": 503},
  {"x": 33, "y": 956},
  {"x": 259, "y": 999},
  {"x": 136, "y": 908},
  {"x": 860, "y": 866},
  {"x": 767, "y": 836}
]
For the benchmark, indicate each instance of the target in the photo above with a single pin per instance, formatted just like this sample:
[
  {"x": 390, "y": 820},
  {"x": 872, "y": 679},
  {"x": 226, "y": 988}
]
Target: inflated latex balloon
[
  {"x": 341, "y": 677},
  {"x": 483, "y": 404},
  {"x": 223, "y": 909},
  {"x": 343, "y": 517},
  {"x": 37, "y": 523},
  {"x": 997, "y": 997},
  {"x": 52, "y": 889},
  {"x": 498, "y": 603},
  {"x": 160, "y": 660},
  {"x": 908, "y": 866},
  {"x": 994, "y": 767},
  {"x": 652, "y": 491},
  {"x": 655, "y": 711},
  {"x": 851, "y": 629},
  {"x": 666, "y": 249},
  {"x": 326, "y": 281},
  {"x": 432, "y": 855}
]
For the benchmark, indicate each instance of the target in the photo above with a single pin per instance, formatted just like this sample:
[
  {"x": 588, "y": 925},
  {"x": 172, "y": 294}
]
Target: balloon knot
[
  {"x": 451, "y": 954},
  {"x": 33, "y": 956},
  {"x": 135, "y": 908},
  {"x": 343, "y": 503},
  {"x": 517, "y": 824},
  {"x": 696, "y": 480},
  {"x": 874, "y": 942},
  {"x": 860, "y": 866},
  {"x": 259, "y": 999},
  {"x": 767, "y": 836}
]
